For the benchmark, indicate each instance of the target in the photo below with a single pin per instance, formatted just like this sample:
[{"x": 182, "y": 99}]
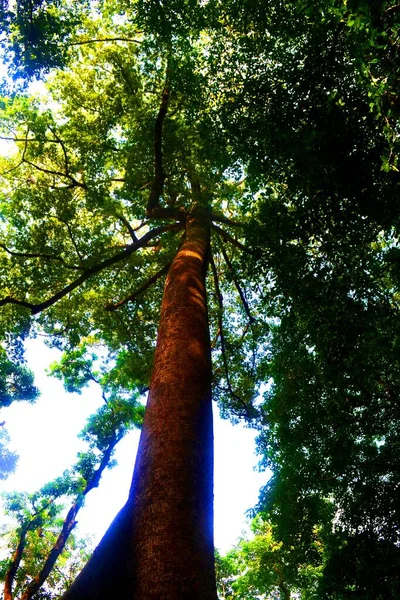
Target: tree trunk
[{"x": 160, "y": 545}]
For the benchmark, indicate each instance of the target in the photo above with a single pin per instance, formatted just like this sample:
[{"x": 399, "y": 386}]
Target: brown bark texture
[{"x": 160, "y": 546}]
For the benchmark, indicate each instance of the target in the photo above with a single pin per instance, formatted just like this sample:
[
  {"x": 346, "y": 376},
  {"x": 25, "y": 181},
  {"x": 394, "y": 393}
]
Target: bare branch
[
  {"x": 129, "y": 227},
  {"x": 91, "y": 271},
  {"x": 74, "y": 181},
  {"x": 38, "y": 140},
  {"x": 142, "y": 288},
  {"x": 223, "y": 219}
]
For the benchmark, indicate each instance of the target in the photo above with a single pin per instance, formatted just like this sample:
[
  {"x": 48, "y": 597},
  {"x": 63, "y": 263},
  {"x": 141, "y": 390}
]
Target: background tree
[
  {"x": 262, "y": 567},
  {"x": 42, "y": 537},
  {"x": 319, "y": 131}
]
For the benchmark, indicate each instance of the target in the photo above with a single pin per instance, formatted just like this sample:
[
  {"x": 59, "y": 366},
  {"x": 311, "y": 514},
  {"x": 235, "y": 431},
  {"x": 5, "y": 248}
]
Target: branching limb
[
  {"x": 91, "y": 271},
  {"x": 222, "y": 337},
  {"x": 226, "y": 236},
  {"x": 142, "y": 288}
]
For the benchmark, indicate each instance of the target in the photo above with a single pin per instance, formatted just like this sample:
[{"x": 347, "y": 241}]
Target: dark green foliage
[
  {"x": 36, "y": 33},
  {"x": 16, "y": 380}
]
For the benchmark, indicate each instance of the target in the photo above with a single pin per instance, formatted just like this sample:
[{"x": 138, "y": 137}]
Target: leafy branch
[
  {"x": 91, "y": 271},
  {"x": 40, "y": 255},
  {"x": 70, "y": 522}
]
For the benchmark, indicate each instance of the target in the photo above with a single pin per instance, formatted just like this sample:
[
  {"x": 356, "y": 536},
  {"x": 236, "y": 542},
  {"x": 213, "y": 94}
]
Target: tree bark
[{"x": 160, "y": 546}]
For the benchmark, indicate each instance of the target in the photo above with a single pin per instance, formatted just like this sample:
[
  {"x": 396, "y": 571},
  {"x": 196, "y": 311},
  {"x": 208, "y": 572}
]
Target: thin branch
[
  {"x": 222, "y": 336},
  {"x": 59, "y": 140},
  {"x": 12, "y": 169},
  {"x": 91, "y": 271},
  {"x": 96, "y": 41},
  {"x": 237, "y": 285},
  {"x": 226, "y": 236},
  {"x": 142, "y": 288},
  {"x": 15, "y": 139},
  {"x": 39, "y": 255},
  {"x": 223, "y": 219},
  {"x": 128, "y": 226},
  {"x": 159, "y": 175},
  {"x": 51, "y": 172}
]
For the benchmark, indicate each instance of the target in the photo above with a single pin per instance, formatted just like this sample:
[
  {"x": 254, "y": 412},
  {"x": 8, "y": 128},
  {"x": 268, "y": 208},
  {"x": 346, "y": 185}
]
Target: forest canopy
[{"x": 264, "y": 139}]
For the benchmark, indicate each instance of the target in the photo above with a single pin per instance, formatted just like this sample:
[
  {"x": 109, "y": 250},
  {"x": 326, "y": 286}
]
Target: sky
[{"x": 45, "y": 436}]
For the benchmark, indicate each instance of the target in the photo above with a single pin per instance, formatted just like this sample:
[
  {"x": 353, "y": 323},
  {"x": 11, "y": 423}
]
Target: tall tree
[
  {"x": 159, "y": 125},
  {"x": 124, "y": 156}
]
